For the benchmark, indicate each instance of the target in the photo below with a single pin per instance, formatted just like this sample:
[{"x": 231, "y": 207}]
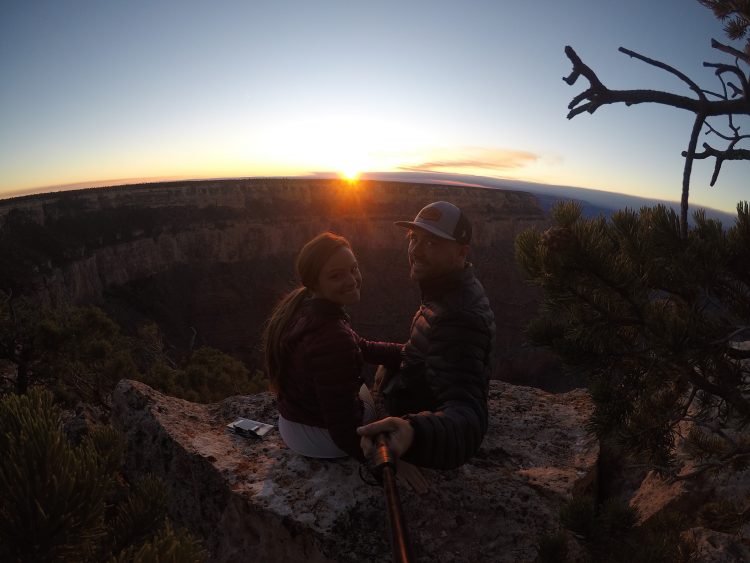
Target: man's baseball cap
[{"x": 443, "y": 220}]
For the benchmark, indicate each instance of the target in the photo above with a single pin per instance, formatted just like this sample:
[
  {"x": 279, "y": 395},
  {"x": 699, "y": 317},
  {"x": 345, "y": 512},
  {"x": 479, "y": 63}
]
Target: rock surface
[
  {"x": 715, "y": 499},
  {"x": 725, "y": 490},
  {"x": 715, "y": 547},
  {"x": 258, "y": 501}
]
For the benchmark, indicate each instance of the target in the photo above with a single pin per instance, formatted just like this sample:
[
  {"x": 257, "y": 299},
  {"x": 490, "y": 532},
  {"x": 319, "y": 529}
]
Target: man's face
[{"x": 431, "y": 257}]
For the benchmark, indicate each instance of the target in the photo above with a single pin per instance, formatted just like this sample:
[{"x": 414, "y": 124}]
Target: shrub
[
  {"x": 57, "y": 500},
  {"x": 168, "y": 546},
  {"x": 209, "y": 375},
  {"x": 51, "y": 493}
]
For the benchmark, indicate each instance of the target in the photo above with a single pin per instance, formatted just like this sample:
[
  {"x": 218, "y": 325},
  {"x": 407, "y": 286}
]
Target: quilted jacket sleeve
[{"x": 457, "y": 377}]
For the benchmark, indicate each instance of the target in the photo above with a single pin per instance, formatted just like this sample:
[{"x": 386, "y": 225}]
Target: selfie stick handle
[{"x": 386, "y": 464}]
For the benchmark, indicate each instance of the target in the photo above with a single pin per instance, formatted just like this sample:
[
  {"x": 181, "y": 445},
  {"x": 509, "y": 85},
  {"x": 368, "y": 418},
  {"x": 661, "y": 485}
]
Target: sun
[{"x": 350, "y": 174}]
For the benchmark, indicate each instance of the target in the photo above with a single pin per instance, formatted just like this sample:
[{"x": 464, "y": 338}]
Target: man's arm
[{"x": 457, "y": 372}]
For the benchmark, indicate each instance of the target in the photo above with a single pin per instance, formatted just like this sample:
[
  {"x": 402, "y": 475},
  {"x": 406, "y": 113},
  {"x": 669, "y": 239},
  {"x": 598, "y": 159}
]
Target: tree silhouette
[
  {"x": 733, "y": 99},
  {"x": 656, "y": 324}
]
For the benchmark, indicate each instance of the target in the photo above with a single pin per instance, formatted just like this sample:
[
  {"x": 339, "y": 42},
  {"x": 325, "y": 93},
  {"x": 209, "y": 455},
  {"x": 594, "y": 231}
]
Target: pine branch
[
  {"x": 729, "y": 395},
  {"x": 735, "y": 457},
  {"x": 683, "y": 415}
]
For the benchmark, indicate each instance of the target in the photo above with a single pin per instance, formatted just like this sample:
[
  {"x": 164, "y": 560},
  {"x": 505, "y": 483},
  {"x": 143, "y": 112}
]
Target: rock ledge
[{"x": 257, "y": 500}]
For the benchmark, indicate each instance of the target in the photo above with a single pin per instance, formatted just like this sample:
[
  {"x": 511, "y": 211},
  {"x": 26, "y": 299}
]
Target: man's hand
[{"x": 399, "y": 435}]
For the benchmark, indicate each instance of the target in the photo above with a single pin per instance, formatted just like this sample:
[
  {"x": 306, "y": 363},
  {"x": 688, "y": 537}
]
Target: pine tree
[
  {"x": 651, "y": 320},
  {"x": 82, "y": 354}
]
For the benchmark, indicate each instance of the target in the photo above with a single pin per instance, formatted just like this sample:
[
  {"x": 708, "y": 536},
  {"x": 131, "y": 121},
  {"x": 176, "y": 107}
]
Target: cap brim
[{"x": 429, "y": 228}]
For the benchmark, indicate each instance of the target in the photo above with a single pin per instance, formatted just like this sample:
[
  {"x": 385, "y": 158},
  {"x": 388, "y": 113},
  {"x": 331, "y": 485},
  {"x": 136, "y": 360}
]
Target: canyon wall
[{"x": 207, "y": 260}]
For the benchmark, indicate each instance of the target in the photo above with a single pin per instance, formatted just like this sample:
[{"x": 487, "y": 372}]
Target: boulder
[{"x": 255, "y": 500}]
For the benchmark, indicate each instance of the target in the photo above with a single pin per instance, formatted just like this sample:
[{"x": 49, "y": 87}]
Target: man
[{"x": 437, "y": 398}]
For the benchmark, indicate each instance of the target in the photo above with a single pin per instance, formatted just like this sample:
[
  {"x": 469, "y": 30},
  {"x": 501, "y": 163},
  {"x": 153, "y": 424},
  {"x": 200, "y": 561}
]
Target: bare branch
[
  {"x": 733, "y": 101},
  {"x": 700, "y": 119},
  {"x": 734, "y": 138},
  {"x": 732, "y": 154},
  {"x": 580, "y": 68},
  {"x": 733, "y": 69},
  {"x": 730, "y": 50},
  {"x": 693, "y": 86},
  {"x": 578, "y": 99},
  {"x": 720, "y": 156},
  {"x": 598, "y": 94}
]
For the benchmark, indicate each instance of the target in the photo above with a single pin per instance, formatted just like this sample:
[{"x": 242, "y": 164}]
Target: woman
[{"x": 314, "y": 359}]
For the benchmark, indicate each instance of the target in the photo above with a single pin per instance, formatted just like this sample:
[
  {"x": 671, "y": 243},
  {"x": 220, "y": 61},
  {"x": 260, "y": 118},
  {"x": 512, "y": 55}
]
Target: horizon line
[{"x": 448, "y": 178}]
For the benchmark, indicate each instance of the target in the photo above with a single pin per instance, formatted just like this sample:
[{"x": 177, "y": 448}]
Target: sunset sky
[{"x": 114, "y": 91}]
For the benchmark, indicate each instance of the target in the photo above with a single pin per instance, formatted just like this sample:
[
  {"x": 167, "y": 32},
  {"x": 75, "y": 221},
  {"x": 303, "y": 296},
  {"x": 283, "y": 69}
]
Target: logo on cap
[{"x": 430, "y": 214}]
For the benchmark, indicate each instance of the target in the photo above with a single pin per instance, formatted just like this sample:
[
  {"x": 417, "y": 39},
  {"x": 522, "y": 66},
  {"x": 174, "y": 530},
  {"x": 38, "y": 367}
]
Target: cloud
[{"x": 474, "y": 158}]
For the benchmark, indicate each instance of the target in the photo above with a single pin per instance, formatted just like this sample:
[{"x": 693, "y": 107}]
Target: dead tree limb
[{"x": 733, "y": 101}]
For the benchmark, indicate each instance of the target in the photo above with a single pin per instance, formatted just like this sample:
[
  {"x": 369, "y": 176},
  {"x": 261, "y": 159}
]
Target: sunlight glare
[
  {"x": 347, "y": 145},
  {"x": 350, "y": 174}
]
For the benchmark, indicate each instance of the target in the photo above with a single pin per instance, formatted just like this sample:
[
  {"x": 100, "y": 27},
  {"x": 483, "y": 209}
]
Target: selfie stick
[{"x": 385, "y": 465}]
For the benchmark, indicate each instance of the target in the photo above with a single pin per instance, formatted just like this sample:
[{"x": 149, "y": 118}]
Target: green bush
[
  {"x": 51, "y": 493},
  {"x": 208, "y": 375},
  {"x": 82, "y": 354},
  {"x": 77, "y": 352},
  {"x": 168, "y": 546},
  {"x": 140, "y": 513},
  {"x": 62, "y": 502}
]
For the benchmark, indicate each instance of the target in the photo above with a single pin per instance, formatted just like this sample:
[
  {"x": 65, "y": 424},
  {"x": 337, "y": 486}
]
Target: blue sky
[{"x": 97, "y": 91}]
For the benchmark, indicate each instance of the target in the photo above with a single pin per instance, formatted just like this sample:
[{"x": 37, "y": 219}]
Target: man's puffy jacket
[{"x": 443, "y": 381}]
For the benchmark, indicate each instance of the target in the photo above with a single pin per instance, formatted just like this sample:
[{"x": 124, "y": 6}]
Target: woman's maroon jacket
[{"x": 322, "y": 371}]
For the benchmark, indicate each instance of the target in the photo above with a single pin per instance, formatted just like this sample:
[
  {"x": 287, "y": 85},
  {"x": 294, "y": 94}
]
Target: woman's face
[{"x": 340, "y": 278}]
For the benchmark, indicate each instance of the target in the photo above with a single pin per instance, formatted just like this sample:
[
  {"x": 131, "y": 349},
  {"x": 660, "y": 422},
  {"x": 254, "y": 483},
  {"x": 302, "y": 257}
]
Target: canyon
[{"x": 207, "y": 260}]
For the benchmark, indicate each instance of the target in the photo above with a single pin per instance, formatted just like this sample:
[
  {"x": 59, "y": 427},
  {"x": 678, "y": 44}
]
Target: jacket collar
[
  {"x": 325, "y": 308},
  {"x": 437, "y": 287}
]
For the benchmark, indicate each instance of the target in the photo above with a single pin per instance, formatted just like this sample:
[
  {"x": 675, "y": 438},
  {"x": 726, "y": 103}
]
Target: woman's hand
[{"x": 399, "y": 435}]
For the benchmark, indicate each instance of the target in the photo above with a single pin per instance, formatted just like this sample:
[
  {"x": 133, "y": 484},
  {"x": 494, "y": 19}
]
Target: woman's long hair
[{"x": 310, "y": 262}]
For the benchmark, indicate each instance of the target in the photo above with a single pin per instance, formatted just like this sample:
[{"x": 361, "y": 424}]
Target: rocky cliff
[
  {"x": 258, "y": 501},
  {"x": 214, "y": 256}
]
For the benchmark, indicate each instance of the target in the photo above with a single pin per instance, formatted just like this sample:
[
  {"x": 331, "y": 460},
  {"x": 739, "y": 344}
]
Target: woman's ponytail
[{"x": 309, "y": 265}]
